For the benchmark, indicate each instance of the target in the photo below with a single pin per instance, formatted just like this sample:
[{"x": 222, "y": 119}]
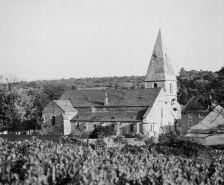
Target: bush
[
  {"x": 100, "y": 143},
  {"x": 102, "y": 132},
  {"x": 135, "y": 150},
  {"x": 134, "y": 135},
  {"x": 170, "y": 144},
  {"x": 149, "y": 141}
]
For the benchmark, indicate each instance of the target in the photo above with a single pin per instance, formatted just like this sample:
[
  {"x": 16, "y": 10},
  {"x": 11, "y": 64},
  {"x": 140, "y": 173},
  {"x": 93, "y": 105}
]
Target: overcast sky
[{"x": 54, "y": 39}]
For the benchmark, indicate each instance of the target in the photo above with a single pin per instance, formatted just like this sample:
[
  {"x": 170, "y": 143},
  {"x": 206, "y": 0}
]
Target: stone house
[
  {"x": 192, "y": 113},
  {"x": 56, "y": 117},
  {"x": 204, "y": 130},
  {"x": 151, "y": 111}
]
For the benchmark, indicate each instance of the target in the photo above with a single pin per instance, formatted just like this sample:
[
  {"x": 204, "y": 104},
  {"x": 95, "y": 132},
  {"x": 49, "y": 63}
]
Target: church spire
[
  {"x": 160, "y": 67},
  {"x": 160, "y": 71}
]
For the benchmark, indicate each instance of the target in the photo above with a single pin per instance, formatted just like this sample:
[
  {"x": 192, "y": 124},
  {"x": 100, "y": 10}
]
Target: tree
[
  {"x": 54, "y": 90},
  {"x": 211, "y": 88},
  {"x": 9, "y": 102},
  {"x": 102, "y": 132}
]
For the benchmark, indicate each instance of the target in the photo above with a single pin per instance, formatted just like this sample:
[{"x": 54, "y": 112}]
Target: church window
[
  {"x": 171, "y": 88},
  {"x": 173, "y": 101},
  {"x": 53, "y": 120},
  {"x": 155, "y": 85},
  {"x": 151, "y": 127},
  {"x": 131, "y": 128},
  {"x": 162, "y": 113}
]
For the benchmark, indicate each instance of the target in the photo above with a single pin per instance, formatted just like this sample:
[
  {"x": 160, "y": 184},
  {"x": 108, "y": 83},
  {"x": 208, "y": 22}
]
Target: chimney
[{"x": 106, "y": 100}]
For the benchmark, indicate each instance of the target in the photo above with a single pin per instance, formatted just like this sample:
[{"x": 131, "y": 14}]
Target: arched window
[
  {"x": 171, "y": 88},
  {"x": 131, "y": 128},
  {"x": 155, "y": 85},
  {"x": 53, "y": 120}
]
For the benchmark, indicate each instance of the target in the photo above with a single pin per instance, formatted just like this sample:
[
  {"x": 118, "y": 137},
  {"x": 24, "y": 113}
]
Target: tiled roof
[
  {"x": 121, "y": 97},
  {"x": 194, "y": 105},
  {"x": 65, "y": 105},
  {"x": 112, "y": 116}
]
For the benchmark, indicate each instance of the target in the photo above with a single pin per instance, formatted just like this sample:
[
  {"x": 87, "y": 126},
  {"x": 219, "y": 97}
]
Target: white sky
[{"x": 53, "y": 39}]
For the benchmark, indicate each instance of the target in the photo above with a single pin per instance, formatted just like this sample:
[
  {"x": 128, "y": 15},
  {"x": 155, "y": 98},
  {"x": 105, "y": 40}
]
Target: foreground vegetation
[{"x": 36, "y": 161}]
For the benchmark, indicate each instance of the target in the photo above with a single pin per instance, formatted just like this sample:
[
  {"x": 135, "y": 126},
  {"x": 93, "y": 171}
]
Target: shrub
[
  {"x": 177, "y": 145},
  {"x": 102, "y": 132},
  {"x": 100, "y": 143},
  {"x": 134, "y": 135}
]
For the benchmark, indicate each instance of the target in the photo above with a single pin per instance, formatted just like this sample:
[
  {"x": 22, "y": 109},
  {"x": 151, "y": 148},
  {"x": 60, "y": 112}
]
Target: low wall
[{"x": 215, "y": 140}]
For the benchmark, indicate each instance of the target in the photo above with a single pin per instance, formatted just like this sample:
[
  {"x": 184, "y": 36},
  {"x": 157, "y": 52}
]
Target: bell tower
[{"x": 160, "y": 71}]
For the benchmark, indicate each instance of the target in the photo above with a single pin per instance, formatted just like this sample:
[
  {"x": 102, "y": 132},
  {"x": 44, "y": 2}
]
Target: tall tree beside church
[{"x": 211, "y": 87}]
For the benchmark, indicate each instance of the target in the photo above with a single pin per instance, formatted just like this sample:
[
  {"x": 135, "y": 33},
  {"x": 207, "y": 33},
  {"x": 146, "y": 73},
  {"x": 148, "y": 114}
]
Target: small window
[
  {"x": 131, "y": 128},
  {"x": 190, "y": 115},
  {"x": 171, "y": 88},
  {"x": 77, "y": 125},
  {"x": 162, "y": 113},
  {"x": 190, "y": 123},
  {"x": 155, "y": 85},
  {"x": 53, "y": 120},
  {"x": 150, "y": 127}
]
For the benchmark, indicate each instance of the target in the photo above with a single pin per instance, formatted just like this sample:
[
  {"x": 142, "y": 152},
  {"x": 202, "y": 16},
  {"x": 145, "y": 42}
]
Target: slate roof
[
  {"x": 160, "y": 67},
  {"x": 112, "y": 116},
  {"x": 121, "y": 97},
  {"x": 194, "y": 105},
  {"x": 65, "y": 105}
]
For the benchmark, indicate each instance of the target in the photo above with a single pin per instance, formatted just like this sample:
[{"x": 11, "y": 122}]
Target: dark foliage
[{"x": 102, "y": 132}]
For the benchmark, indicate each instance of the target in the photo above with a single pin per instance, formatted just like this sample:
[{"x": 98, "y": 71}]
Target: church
[{"x": 151, "y": 111}]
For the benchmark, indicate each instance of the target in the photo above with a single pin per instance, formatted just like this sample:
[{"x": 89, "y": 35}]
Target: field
[{"x": 36, "y": 161}]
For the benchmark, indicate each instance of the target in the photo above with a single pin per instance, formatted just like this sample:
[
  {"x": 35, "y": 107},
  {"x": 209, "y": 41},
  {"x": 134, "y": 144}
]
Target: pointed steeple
[
  {"x": 160, "y": 71},
  {"x": 160, "y": 68}
]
